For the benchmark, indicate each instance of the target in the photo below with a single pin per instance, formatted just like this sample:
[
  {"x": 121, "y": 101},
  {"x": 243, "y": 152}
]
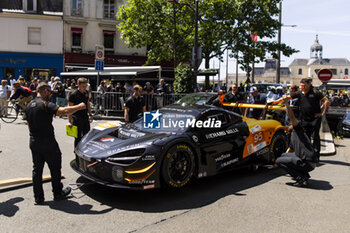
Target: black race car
[{"x": 203, "y": 141}]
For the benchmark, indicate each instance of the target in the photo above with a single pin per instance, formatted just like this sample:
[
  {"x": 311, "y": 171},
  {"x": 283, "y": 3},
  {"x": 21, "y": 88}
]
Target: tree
[
  {"x": 223, "y": 25},
  {"x": 183, "y": 79},
  {"x": 150, "y": 23}
]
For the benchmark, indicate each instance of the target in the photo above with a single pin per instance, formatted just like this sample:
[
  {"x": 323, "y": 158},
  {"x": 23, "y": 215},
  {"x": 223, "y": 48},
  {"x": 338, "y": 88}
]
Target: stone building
[{"x": 303, "y": 68}]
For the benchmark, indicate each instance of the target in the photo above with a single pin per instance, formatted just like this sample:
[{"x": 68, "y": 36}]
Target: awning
[
  {"x": 108, "y": 32},
  {"x": 77, "y": 30},
  {"x": 115, "y": 71}
]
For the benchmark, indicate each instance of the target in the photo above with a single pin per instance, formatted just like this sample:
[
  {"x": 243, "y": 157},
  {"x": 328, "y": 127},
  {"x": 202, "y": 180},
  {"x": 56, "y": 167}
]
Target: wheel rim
[
  {"x": 180, "y": 166},
  {"x": 279, "y": 148},
  {"x": 12, "y": 115}
]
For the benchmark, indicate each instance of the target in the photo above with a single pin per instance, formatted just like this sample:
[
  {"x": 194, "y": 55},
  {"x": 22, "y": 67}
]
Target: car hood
[{"x": 100, "y": 145}]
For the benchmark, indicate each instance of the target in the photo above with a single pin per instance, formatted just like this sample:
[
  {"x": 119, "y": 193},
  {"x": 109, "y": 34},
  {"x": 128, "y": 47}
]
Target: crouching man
[{"x": 301, "y": 157}]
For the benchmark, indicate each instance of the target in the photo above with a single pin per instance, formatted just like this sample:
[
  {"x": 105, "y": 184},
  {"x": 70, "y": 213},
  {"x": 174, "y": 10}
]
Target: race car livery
[{"x": 136, "y": 156}]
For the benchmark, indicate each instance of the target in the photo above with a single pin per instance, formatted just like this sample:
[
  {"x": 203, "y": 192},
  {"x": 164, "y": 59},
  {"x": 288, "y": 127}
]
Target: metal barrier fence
[{"x": 114, "y": 101}]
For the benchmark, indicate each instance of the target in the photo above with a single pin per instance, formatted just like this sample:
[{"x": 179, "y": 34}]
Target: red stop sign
[{"x": 324, "y": 75}]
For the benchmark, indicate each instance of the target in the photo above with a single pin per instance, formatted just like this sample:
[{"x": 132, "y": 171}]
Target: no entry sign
[{"x": 324, "y": 75}]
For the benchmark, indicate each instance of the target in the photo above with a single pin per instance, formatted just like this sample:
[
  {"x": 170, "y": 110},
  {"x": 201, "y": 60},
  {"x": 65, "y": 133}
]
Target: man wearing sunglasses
[{"x": 43, "y": 144}]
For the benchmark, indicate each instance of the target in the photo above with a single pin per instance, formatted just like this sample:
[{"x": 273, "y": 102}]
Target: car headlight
[{"x": 127, "y": 157}]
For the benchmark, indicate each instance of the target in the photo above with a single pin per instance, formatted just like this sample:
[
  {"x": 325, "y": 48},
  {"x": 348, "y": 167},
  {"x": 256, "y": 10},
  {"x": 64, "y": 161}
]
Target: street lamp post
[
  {"x": 278, "y": 65},
  {"x": 195, "y": 45},
  {"x": 278, "y": 61}
]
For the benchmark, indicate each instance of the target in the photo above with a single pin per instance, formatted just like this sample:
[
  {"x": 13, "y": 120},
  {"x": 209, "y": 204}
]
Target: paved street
[{"x": 239, "y": 201}]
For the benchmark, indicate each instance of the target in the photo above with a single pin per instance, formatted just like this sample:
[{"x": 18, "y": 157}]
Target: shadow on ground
[
  {"x": 8, "y": 208},
  {"x": 200, "y": 193}
]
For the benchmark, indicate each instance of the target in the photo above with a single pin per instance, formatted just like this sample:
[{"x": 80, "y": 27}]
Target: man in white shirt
[{"x": 5, "y": 93}]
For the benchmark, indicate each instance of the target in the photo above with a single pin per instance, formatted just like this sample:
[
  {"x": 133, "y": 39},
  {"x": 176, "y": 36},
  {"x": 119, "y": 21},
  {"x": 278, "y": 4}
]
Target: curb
[{"x": 326, "y": 139}]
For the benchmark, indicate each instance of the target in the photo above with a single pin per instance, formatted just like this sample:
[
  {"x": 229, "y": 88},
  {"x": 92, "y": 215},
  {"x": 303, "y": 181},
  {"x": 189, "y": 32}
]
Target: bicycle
[{"x": 13, "y": 110}]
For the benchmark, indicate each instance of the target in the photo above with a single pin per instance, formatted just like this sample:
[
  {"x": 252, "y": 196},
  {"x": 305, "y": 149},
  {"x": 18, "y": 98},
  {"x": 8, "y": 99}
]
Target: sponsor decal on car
[
  {"x": 150, "y": 186},
  {"x": 149, "y": 157},
  {"x": 204, "y": 174},
  {"x": 260, "y": 146},
  {"x": 222, "y": 157},
  {"x": 195, "y": 138},
  {"x": 255, "y": 129},
  {"x": 229, "y": 162},
  {"x": 221, "y": 133},
  {"x": 142, "y": 181},
  {"x": 107, "y": 139},
  {"x": 263, "y": 151}
]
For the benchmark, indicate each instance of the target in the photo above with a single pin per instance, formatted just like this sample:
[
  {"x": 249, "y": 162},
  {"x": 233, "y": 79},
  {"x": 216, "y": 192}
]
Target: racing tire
[
  {"x": 178, "y": 166},
  {"x": 279, "y": 145}
]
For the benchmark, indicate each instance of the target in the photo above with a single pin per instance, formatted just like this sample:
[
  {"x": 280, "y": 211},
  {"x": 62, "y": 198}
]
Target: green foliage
[
  {"x": 167, "y": 29},
  {"x": 183, "y": 79}
]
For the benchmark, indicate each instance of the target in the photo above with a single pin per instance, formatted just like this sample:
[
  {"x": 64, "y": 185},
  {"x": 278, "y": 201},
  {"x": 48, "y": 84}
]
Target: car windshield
[
  {"x": 173, "y": 122},
  {"x": 199, "y": 99}
]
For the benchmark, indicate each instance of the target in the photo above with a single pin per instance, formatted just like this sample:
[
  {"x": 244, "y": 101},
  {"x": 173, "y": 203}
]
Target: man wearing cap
[
  {"x": 43, "y": 144},
  {"x": 256, "y": 98},
  {"x": 148, "y": 94}
]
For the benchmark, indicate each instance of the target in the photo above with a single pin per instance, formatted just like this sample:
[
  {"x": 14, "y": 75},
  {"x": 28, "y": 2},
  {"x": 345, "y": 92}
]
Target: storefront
[{"x": 42, "y": 66}]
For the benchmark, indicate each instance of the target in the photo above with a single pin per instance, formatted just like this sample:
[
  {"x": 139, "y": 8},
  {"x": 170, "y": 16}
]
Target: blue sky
[{"x": 330, "y": 19}]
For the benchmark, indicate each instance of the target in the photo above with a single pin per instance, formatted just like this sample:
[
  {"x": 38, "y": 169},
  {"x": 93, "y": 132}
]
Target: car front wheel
[{"x": 178, "y": 166}]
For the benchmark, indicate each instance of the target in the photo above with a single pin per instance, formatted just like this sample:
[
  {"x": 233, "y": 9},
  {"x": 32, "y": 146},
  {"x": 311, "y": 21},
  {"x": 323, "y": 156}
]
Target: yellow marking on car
[
  {"x": 107, "y": 125},
  {"x": 140, "y": 178},
  {"x": 259, "y": 106},
  {"x": 182, "y": 146},
  {"x": 140, "y": 170}
]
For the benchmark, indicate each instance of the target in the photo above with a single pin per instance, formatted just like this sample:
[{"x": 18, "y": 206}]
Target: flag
[{"x": 254, "y": 37}]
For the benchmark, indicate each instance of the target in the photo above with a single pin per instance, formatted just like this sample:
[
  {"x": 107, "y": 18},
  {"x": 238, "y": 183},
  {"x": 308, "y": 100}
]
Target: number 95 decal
[{"x": 258, "y": 137}]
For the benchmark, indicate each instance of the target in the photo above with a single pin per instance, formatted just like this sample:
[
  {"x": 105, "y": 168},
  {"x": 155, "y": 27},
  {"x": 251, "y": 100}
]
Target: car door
[{"x": 219, "y": 145}]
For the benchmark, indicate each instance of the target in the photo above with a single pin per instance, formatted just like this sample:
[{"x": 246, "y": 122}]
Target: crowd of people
[
  {"x": 41, "y": 101},
  {"x": 305, "y": 109}
]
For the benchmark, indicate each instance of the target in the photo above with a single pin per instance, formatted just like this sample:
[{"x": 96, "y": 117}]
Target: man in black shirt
[
  {"x": 81, "y": 119},
  {"x": 134, "y": 105},
  {"x": 43, "y": 143},
  {"x": 310, "y": 109},
  {"x": 304, "y": 158},
  {"x": 234, "y": 97}
]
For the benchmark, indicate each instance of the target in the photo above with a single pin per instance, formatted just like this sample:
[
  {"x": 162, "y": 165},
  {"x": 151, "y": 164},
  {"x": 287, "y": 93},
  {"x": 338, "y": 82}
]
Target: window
[
  {"x": 108, "y": 10},
  {"x": 30, "y": 5},
  {"x": 108, "y": 41},
  {"x": 346, "y": 71},
  {"x": 76, "y": 40},
  {"x": 34, "y": 36},
  {"x": 300, "y": 71},
  {"x": 77, "y": 8}
]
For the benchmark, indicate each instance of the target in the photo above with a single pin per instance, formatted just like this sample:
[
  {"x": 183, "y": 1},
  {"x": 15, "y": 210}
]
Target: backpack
[{"x": 27, "y": 89}]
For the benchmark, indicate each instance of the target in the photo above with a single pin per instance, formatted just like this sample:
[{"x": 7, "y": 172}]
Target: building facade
[
  {"x": 31, "y": 39},
  {"x": 91, "y": 22},
  {"x": 304, "y": 68}
]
